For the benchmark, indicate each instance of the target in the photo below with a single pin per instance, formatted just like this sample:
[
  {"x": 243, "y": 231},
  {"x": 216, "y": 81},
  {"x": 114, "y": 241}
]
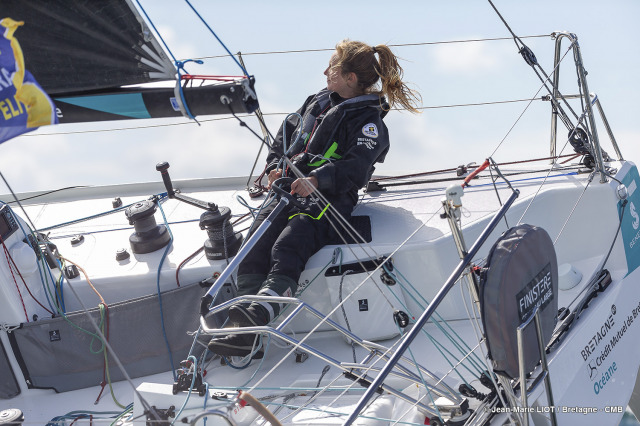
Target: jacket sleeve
[
  {"x": 367, "y": 142},
  {"x": 277, "y": 148}
]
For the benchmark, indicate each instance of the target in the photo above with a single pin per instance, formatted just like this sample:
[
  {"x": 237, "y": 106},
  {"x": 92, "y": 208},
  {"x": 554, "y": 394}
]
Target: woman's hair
[{"x": 360, "y": 58}]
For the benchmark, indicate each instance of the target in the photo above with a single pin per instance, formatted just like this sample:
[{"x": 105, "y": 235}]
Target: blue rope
[
  {"x": 164, "y": 255},
  {"x": 206, "y": 398},
  {"x": 457, "y": 341},
  {"x": 244, "y": 71},
  {"x": 75, "y": 415},
  {"x": 180, "y": 68},
  {"x": 424, "y": 383},
  {"x": 179, "y": 64}
]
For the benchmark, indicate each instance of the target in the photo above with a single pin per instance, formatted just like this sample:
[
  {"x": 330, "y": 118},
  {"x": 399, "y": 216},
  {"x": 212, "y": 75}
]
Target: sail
[
  {"x": 24, "y": 106},
  {"x": 82, "y": 53},
  {"x": 76, "y": 46}
]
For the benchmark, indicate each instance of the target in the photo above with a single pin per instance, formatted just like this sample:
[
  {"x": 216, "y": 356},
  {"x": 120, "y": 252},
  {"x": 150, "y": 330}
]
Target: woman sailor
[{"x": 342, "y": 137}]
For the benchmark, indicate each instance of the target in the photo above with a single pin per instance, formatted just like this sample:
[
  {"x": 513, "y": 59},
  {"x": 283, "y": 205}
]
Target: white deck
[{"x": 426, "y": 260}]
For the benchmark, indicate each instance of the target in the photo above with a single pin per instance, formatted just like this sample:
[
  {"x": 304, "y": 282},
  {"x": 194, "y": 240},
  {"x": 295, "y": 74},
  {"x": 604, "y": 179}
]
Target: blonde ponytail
[{"x": 359, "y": 58}]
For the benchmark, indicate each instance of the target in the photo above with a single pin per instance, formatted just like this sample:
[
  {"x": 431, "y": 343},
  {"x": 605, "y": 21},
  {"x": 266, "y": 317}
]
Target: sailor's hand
[
  {"x": 304, "y": 186},
  {"x": 273, "y": 175}
]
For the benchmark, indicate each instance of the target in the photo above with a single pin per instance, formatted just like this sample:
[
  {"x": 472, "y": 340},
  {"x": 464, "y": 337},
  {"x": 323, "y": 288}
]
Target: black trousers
[{"x": 286, "y": 246}]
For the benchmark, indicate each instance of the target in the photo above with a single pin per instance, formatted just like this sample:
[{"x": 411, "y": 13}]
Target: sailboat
[{"x": 492, "y": 293}]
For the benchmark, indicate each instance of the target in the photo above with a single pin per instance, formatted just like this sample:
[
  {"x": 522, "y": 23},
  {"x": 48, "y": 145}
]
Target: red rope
[
  {"x": 191, "y": 256},
  {"x": 212, "y": 77},
  {"x": 475, "y": 173},
  {"x": 8, "y": 255}
]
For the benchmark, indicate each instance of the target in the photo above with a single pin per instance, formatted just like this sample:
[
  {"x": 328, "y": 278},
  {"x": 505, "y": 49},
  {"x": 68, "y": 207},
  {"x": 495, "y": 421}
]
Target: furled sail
[{"x": 83, "y": 52}]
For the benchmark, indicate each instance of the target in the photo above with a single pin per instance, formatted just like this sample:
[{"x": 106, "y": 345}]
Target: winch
[{"x": 222, "y": 241}]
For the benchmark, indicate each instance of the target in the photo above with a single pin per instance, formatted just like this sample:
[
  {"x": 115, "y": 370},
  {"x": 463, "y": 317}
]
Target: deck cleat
[{"x": 185, "y": 379}]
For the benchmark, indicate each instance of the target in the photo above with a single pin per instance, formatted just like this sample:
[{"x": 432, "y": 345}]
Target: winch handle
[
  {"x": 163, "y": 168},
  {"x": 277, "y": 188}
]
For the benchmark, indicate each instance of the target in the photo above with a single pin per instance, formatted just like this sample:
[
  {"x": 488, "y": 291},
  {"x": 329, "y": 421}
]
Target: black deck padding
[{"x": 362, "y": 225}]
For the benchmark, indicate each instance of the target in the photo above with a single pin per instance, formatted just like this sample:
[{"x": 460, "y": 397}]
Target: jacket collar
[{"x": 370, "y": 99}]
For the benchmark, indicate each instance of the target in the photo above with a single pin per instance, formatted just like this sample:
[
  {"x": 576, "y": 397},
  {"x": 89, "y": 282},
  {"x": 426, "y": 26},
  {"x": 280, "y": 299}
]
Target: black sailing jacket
[{"x": 340, "y": 141}]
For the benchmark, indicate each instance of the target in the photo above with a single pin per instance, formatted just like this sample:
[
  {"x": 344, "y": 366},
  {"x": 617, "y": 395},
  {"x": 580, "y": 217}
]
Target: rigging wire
[
  {"x": 332, "y": 49},
  {"x": 297, "y": 52},
  {"x": 163, "y": 213},
  {"x": 428, "y": 43},
  {"x": 323, "y": 321},
  {"x": 147, "y": 407},
  {"x": 543, "y": 85},
  {"x": 15, "y": 197},
  {"x": 531, "y": 60},
  {"x": 80, "y": 132}
]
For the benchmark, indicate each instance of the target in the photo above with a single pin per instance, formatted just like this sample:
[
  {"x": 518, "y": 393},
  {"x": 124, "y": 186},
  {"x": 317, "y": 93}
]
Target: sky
[{"x": 444, "y": 74}]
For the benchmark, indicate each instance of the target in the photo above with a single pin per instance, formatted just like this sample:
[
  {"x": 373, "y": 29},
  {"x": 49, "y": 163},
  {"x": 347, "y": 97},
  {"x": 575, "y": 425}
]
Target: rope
[
  {"x": 45, "y": 193},
  {"x": 460, "y": 344},
  {"x": 59, "y": 288},
  {"x": 104, "y": 321},
  {"x": 7, "y": 255},
  {"x": 128, "y": 410},
  {"x": 180, "y": 67},
  {"x": 344, "y": 313},
  {"x": 164, "y": 256},
  {"x": 184, "y": 262},
  {"x": 104, "y": 311},
  {"x": 181, "y": 63},
  {"x": 591, "y": 176},
  {"x": 323, "y": 321},
  {"x": 166, "y": 46},
  {"x": 424, "y": 383},
  {"x": 261, "y": 409},
  {"x": 193, "y": 380}
]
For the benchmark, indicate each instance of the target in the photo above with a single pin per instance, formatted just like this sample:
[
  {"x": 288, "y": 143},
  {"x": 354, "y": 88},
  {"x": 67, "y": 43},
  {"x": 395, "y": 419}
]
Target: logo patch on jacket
[
  {"x": 370, "y": 130},
  {"x": 370, "y": 143}
]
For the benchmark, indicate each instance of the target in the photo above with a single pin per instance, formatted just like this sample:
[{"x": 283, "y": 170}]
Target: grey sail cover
[
  {"x": 54, "y": 354},
  {"x": 521, "y": 274}
]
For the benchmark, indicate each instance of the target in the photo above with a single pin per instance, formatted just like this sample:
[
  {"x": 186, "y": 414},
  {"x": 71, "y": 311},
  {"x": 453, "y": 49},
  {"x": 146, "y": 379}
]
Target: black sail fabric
[{"x": 76, "y": 46}]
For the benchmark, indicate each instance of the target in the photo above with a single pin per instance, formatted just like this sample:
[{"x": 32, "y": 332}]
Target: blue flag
[{"x": 24, "y": 106}]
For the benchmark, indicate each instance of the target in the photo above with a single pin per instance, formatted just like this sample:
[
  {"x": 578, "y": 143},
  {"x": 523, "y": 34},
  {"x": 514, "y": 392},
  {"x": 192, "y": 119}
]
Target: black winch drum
[{"x": 521, "y": 273}]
